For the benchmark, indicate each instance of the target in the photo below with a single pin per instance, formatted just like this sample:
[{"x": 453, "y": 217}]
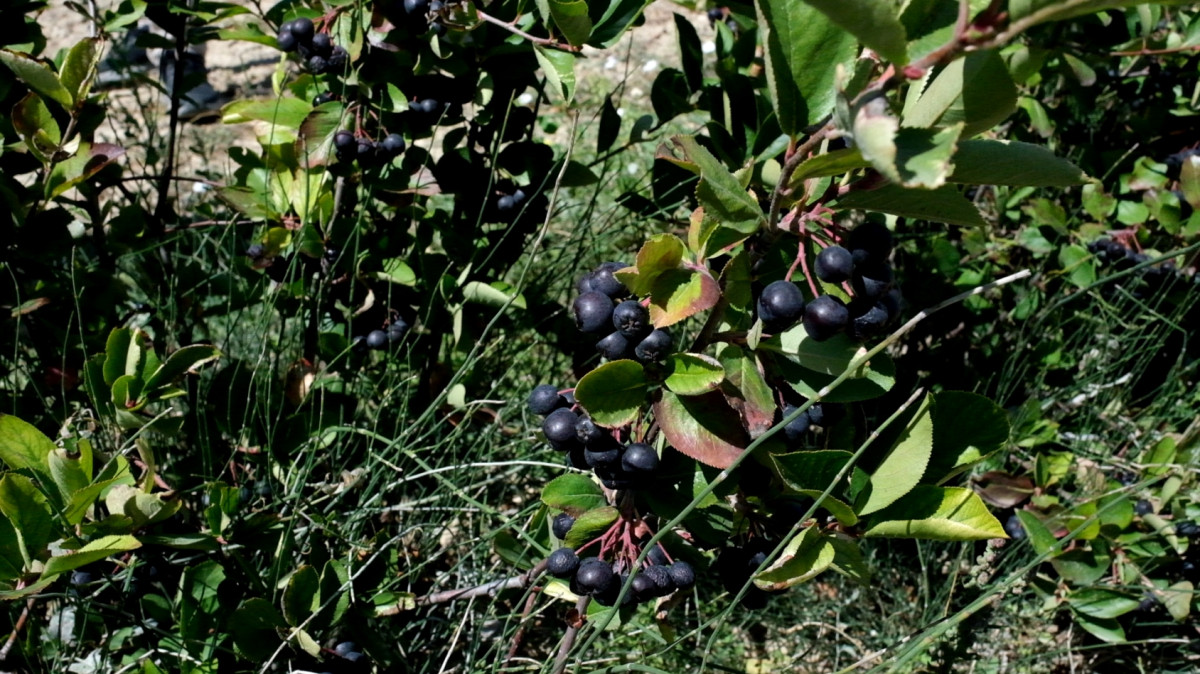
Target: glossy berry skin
[
  {"x": 603, "y": 457},
  {"x": 613, "y": 347},
  {"x": 798, "y": 427},
  {"x": 682, "y": 575},
  {"x": 317, "y": 64},
  {"x": 825, "y": 317},
  {"x": 604, "y": 281},
  {"x": 561, "y": 524},
  {"x": 562, "y": 563},
  {"x": 657, "y": 556},
  {"x": 593, "y": 312},
  {"x": 302, "y": 28},
  {"x": 82, "y": 577},
  {"x": 834, "y": 265},
  {"x": 322, "y": 44},
  {"x": 644, "y": 588},
  {"x": 338, "y": 58},
  {"x": 559, "y": 426},
  {"x": 286, "y": 39},
  {"x": 322, "y": 99},
  {"x": 364, "y": 150},
  {"x": 655, "y": 347},
  {"x": 1143, "y": 507},
  {"x": 715, "y": 14},
  {"x": 872, "y": 283},
  {"x": 394, "y": 144},
  {"x": 585, "y": 283},
  {"x": 505, "y": 204},
  {"x": 893, "y": 302},
  {"x": 377, "y": 339},
  {"x": 870, "y": 242},
  {"x": 544, "y": 399},
  {"x": 870, "y": 323},
  {"x": 426, "y": 106},
  {"x": 817, "y": 414},
  {"x": 589, "y": 433},
  {"x": 397, "y": 330},
  {"x": 781, "y": 304},
  {"x": 1014, "y": 528},
  {"x": 631, "y": 319},
  {"x": 518, "y": 197},
  {"x": 345, "y": 647},
  {"x": 594, "y": 576},
  {"x": 639, "y": 458}
]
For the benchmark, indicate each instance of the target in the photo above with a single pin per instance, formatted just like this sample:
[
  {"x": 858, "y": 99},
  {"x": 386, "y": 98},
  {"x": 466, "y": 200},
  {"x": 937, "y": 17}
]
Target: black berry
[
  {"x": 559, "y": 426},
  {"x": 322, "y": 44},
  {"x": 587, "y": 432},
  {"x": 872, "y": 282},
  {"x": 639, "y": 458},
  {"x": 631, "y": 319},
  {"x": 562, "y": 563},
  {"x": 798, "y": 427},
  {"x": 655, "y": 347},
  {"x": 544, "y": 399},
  {"x": 286, "y": 39},
  {"x": 834, "y": 265},
  {"x": 604, "y": 281},
  {"x": 682, "y": 575},
  {"x": 613, "y": 347},
  {"x": 561, "y": 525},
  {"x": 593, "y": 312},
  {"x": 377, "y": 339},
  {"x": 780, "y": 305},
  {"x": 594, "y": 576},
  {"x": 870, "y": 242},
  {"x": 302, "y": 28},
  {"x": 825, "y": 316},
  {"x": 394, "y": 144}
]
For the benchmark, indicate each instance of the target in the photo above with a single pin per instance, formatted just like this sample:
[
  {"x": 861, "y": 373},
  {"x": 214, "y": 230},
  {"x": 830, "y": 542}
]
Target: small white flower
[
  {"x": 708, "y": 47},
  {"x": 525, "y": 98},
  {"x": 650, "y": 66}
]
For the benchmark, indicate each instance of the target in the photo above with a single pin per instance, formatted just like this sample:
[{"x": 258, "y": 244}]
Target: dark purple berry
[
  {"x": 302, "y": 28},
  {"x": 394, "y": 144},
  {"x": 604, "y": 281},
  {"x": 834, "y": 264},
  {"x": 798, "y": 427},
  {"x": 662, "y": 579},
  {"x": 559, "y": 426},
  {"x": 603, "y": 456},
  {"x": 561, "y": 524},
  {"x": 631, "y": 319},
  {"x": 639, "y": 458},
  {"x": 613, "y": 347},
  {"x": 593, "y": 312},
  {"x": 322, "y": 45},
  {"x": 544, "y": 399},
  {"x": 344, "y": 140},
  {"x": 589, "y": 433},
  {"x": 870, "y": 242},
  {"x": 594, "y": 576},
  {"x": 562, "y": 563},
  {"x": 286, "y": 39},
  {"x": 377, "y": 339},
  {"x": 655, "y": 347},
  {"x": 682, "y": 575},
  {"x": 781, "y": 304},
  {"x": 825, "y": 317},
  {"x": 872, "y": 282}
]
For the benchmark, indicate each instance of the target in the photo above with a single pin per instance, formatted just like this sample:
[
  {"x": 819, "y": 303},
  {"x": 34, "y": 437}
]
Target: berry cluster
[
  {"x": 602, "y": 580},
  {"x": 864, "y": 264},
  {"x": 588, "y": 446},
  {"x": 1154, "y": 278},
  {"x": 322, "y": 56},
  {"x": 349, "y": 651},
  {"x": 823, "y": 415},
  {"x": 378, "y": 340},
  {"x": 604, "y": 304},
  {"x": 735, "y": 565},
  {"x": 368, "y": 153}
]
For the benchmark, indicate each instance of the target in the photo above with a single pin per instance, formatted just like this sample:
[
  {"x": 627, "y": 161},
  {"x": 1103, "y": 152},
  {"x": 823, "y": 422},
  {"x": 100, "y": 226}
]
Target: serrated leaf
[
  {"x": 23, "y": 446},
  {"x": 813, "y": 469},
  {"x": 614, "y": 392},
  {"x": 1001, "y": 162},
  {"x": 80, "y": 67},
  {"x": 282, "y": 111},
  {"x": 32, "y": 119},
  {"x": 848, "y": 558},
  {"x": 828, "y": 164},
  {"x": 87, "y": 161},
  {"x": 747, "y": 391},
  {"x": 657, "y": 256},
  {"x": 875, "y": 23},
  {"x": 804, "y": 558},
  {"x": 831, "y": 356},
  {"x": 937, "y": 513},
  {"x": 559, "y": 69},
  {"x": 802, "y": 51},
  {"x": 680, "y": 293},
  {"x": 693, "y": 374},
  {"x": 944, "y": 204},
  {"x": 731, "y": 214},
  {"x": 94, "y": 551},
  {"x": 876, "y": 378},
  {"x": 37, "y": 76},
  {"x": 571, "y": 17},
  {"x": 702, "y": 427},
  {"x": 976, "y": 91},
  {"x": 909, "y": 157},
  {"x": 302, "y": 595},
  {"x": 901, "y": 469},
  {"x": 574, "y": 494},
  {"x": 966, "y": 428},
  {"x": 590, "y": 524}
]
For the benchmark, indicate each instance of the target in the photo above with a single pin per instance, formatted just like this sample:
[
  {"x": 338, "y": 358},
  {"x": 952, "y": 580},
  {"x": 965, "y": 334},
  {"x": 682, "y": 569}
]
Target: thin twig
[
  {"x": 487, "y": 589},
  {"x": 520, "y": 634},
  {"x": 12, "y": 638},
  {"x": 789, "y": 167},
  {"x": 544, "y": 41},
  {"x": 568, "y": 642}
]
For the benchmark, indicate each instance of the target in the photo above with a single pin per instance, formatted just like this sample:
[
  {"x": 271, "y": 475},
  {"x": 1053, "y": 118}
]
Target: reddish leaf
[
  {"x": 703, "y": 427},
  {"x": 680, "y": 293}
]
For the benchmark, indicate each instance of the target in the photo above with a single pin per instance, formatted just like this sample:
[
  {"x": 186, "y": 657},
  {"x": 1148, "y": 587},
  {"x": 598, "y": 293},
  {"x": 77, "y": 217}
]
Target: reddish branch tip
[{"x": 914, "y": 72}]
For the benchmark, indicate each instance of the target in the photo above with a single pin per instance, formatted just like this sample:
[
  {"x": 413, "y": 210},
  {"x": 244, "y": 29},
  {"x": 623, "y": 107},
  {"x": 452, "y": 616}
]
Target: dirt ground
[{"x": 138, "y": 117}]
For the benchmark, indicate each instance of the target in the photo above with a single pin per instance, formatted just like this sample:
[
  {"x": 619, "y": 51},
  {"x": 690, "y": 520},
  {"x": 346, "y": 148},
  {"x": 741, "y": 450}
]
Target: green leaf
[
  {"x": 875, "y": 23},
  {"x": 614, "y": 392},
  {"x": 89, "y": 160},
  {"x": 1189, "y": 180},
  {"x": 27, "y": 511},
  {"x": 703, "y": 427},
  {"x": 910, "y": 157},
  {"x": 302, "y": 595},
  {"x": 747, "y": 391},
  {"x": 254, "y": 628},
  {"x": 571, "y": 17},
  {"x": 22, "y": 446},
  {"x": 12, "y": 562},
  {"x": 68, "y": 474},
  {"x": 937, "y": 513},
  {"x": 37, "y": 76},
  {"x": 495, "y": 294},
  {"x": 976, "y": 91},
  {"x": 573, "y": 493},
  {"x": 198, "y": 599},
  {"x": 1082, "y": 566},
  {"x": 828, "y": 164},
  {"x": 669, "y": 95},
  {"x": 831, "y": 356},
  {"x": 944, "y": 204},
  {"x": 281, "y": 111},
  {"x": 1078, "y": 265},
  {"x": 1105, "y": 629},
  {"x": 610, "y": 126},
  {"x": 32, "y": 119},
  {"x": 693, "y": 374},
  {"x": 876, "y": 378},
  {"x": 802, "y": 51},
  {"x": 182, "y": 361},
  {"x": 805, "y": 557},
  {"x": 590, "y": 524},
  {"x": 1001, "y": 162},
  {"x": 966, "y": 428},
  {"x": 1178, "y": 599},
  {"x": 1101, "y": 603},
  {"x": 680, "y": 293},
  {"x": 559, "y": 68},
  {"x": 334, "y": 576},
  {"x": 730, "y": 213},
  {"x": 101, "y": 548},
  {"x": 617, "y": 18},
  {"x": 813, "y": 469},
  {"x": 848, "y": 559},
  {"x": 904, "y": 464},
  {"x": 80, "y": 67},
  {"x": 657, "y": 256},
  {"x": 1159, "y": 458},
  {"x": 691, "y": 52},
  {"x": 125, "y": 354}
]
